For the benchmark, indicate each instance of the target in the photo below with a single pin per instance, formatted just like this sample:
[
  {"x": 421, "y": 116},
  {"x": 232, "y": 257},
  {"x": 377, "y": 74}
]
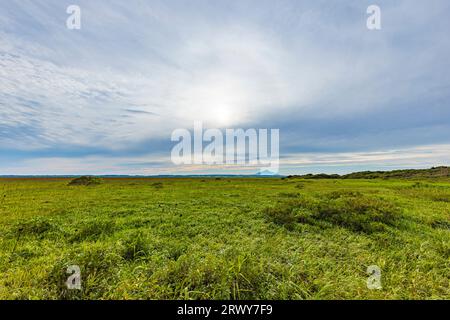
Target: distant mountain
[{"x": 267, "y": 173}]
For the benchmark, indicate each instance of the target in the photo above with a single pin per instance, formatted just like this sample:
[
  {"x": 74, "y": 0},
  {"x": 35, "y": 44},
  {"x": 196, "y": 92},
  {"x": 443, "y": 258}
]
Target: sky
[{"x": 106, "y": 98}]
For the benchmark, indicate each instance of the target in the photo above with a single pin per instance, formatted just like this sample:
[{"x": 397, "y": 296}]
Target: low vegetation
[
  {"x": 435, "y": 172},
  {"x": 233, "y": 238},
  {"x": 85, "y": 181},
  {"x": 348, "y": 210}
]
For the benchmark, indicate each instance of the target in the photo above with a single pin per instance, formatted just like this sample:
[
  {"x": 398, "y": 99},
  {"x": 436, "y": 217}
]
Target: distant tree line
[{"x": 434, "y": 172}]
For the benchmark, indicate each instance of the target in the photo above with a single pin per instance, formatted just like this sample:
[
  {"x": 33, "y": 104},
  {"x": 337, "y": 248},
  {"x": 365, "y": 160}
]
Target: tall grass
[{"x": 224, "y": 239}]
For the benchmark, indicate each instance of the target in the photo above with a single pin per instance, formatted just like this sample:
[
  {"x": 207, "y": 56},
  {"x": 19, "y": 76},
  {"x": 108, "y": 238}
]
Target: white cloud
[
  {"x": 136, "y": 71},
  {"x": 414, "y": 157}
]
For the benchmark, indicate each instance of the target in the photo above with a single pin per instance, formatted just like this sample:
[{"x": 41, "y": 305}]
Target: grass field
[{"x": 227, "y": 238}]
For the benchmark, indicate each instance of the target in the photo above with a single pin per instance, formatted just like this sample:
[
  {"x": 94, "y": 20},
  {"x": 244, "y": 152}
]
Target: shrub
[
  {"x": 157, "y": 185},
  {"x": 85, "y": 181},
  {"x": 352, "y": 211},
  {"x": 440, "y": 224},
  {"x": 35, "y": 226},
  {"x": 283, "y": 214},
  {"x": 420, "y": 185},
  {"x": 360, "y": 213},
  {"x": 289, "y": 194},
  {"x": 93, "y": 230},
  {"x": 98, "y": 265},
  {"x": 135, "y": 247},
  {"x": 343, "y": 194}
]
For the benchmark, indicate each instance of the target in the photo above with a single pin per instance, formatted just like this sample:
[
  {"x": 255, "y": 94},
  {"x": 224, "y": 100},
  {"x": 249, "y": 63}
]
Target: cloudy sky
[{"x": 105, "y": 99}]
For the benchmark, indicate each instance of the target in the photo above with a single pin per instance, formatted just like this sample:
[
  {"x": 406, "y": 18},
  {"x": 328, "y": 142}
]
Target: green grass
[{"x": 225, "y": 239}]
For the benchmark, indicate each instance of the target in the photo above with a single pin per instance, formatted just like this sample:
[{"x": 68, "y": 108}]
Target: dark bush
[
  {"x": 352, "y": 211},
  {"x": 93, "y": 230},
  {"x": 343, "y": 194},
  {"x": 85, "y": 181},
  {"x": 157, "y": 185},
  {"x": 440, "y": 224},
  {"x": 35, "y": 226},
  {"x": 134, "y": 247},
  {"x": 98, "y": 265},
  {"x": 283, "y": 214},
  {"x": 289, "y": 194}
]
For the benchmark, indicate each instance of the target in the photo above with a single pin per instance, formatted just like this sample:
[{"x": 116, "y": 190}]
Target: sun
[{"x": 221, "y": 115}]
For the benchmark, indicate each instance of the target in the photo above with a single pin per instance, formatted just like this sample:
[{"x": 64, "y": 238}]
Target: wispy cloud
[{"x": 137, "y": 70}]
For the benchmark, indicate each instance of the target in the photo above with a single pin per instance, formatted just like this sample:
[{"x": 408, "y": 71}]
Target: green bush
[
  {"x": 440, "y": 224},
  {"x": 93, "y": 230},
  {"x": 289, "y": 194},
  {"x": 283, "y": 214},
  {"x": 157, "y": 185},
  {"x": 35, "y": 226},
  {"x": 350, "y": 210},
  {"x": 85, "y": 181},
  {"x": 98, "y": 265},
  {"x": 135, "y": 246}
]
